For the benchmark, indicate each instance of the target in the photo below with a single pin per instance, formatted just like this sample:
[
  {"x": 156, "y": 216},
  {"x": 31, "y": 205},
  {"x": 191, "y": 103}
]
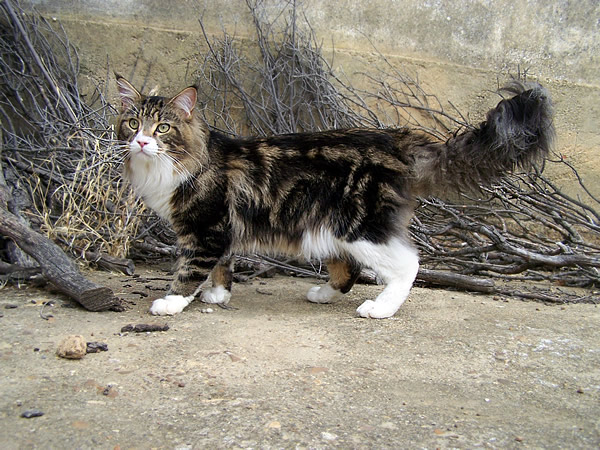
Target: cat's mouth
[{"x": 140, "y": 152}]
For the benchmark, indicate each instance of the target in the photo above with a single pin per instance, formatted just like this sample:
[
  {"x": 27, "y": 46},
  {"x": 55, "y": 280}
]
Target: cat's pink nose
[{"x": 142, "y": 142}]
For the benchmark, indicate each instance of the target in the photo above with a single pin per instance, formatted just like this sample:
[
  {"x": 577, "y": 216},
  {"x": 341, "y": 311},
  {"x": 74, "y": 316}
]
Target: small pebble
[
  {"x": 32, "y": 413},
  {"x": 95, "y": 347},
  {"x": 109, "y": 391},
  {"x": 207, "y": 310},
  {"x": 329, "y": 436},
  {"x": 11, "y": 306},
  {"x": 72, "y": 347}
]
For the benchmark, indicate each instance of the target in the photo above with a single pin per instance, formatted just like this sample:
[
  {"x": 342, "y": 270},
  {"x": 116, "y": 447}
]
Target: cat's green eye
[
  {"x": 163, "y": 127},
  {"x": 134, "y": 124}
]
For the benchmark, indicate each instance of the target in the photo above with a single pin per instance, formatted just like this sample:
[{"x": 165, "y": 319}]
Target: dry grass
[
  {"x": 59, "y": 146},
  {"x": 94, "y": 211}
]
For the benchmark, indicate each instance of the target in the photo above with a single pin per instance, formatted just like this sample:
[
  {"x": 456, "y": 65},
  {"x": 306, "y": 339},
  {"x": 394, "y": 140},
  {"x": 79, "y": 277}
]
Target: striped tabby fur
[{"x": 344, "y": 196}]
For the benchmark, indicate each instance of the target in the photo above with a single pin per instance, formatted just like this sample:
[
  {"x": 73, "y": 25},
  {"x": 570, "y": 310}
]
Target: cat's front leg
[
  {"x": 190, "y": 277},
  {"x": 170, "y": 305},
  {"x": 222, "y": 277}
]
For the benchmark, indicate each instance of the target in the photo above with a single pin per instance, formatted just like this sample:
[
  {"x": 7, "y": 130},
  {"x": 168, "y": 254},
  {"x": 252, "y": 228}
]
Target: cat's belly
[{"x": 319, "y": 244}]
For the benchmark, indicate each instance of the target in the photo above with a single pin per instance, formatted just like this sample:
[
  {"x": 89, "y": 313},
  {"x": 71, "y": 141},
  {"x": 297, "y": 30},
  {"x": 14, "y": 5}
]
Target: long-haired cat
[{"x": 344, "y": 196}]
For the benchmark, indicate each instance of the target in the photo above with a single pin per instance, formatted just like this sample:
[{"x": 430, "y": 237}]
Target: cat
[{"x": 343, "y": 196}]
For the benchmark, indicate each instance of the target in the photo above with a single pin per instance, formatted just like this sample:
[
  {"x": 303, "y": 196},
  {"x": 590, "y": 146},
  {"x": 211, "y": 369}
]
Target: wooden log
[
  {"x": 107, "y": 262},
  {"x": 56, "y": 266},
  {"x": 455, "y": 280}
]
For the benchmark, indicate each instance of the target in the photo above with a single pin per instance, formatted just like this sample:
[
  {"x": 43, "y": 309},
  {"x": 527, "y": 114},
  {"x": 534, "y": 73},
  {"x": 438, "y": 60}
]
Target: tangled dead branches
[
  {"x": 523, "y": 229},
  {"x": 61, "y": 161},
  {"x": 287, "y": 88},
  {"x": 59, "y": 154}
]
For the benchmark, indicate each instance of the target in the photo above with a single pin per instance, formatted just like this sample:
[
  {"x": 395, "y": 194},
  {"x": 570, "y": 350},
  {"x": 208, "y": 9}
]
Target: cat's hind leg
[
  {"x": 342, "y": 276},
  {"x": 397, "y": 263}
]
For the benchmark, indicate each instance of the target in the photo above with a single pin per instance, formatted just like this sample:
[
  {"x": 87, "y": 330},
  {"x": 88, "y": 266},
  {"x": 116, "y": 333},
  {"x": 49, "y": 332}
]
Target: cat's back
[{"x": 349, "y": 143}]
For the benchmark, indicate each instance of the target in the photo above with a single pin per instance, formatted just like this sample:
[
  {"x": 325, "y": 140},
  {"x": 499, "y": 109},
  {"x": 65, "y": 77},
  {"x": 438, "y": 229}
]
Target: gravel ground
[{"x": 449, "y": 370}]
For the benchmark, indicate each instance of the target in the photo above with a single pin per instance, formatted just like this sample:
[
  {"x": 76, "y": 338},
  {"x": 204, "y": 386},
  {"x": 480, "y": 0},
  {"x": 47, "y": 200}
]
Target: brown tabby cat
[{"x": 345, "y": 196}]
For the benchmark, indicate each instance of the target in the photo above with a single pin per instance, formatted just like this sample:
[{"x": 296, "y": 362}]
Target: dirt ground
[{"x": 449, "y": 370}]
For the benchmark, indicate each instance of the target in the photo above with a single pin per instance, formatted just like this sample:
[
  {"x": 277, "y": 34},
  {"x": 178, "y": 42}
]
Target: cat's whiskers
[
  {"x": 179, "y": 169},
  {"x": 340, "y": 195},
  {"x": 120, "y": 153},
  {"x": 119, "y": 148}
]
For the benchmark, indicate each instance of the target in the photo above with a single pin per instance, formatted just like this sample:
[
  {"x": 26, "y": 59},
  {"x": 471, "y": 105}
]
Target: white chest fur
[{"x": 154, "y": 177}]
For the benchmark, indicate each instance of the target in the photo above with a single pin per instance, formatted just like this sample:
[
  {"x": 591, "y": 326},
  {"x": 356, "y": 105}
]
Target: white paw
[
  {"x": 171, "y": 304},
  {"x": 216, "y": 295},
  {"x": 322, "y": 294},
  {"x": 377, "y": 310}
]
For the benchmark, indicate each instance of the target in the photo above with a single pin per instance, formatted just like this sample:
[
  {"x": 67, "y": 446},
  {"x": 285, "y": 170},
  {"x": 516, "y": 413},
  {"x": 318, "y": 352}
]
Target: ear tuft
[
  {"x": 154, "y": 91},
  {"x": 186, "y": 100},
  {"x": 128, "y": 94}
]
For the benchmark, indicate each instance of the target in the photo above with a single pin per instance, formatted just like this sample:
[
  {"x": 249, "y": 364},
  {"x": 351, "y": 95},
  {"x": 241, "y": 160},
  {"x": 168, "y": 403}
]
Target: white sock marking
[
  {"x": 397, "y": 263},
  {"x": 322, "y": 294},
  {"x": 170, "y": 305},
  {"x": 216, "y": 294}
]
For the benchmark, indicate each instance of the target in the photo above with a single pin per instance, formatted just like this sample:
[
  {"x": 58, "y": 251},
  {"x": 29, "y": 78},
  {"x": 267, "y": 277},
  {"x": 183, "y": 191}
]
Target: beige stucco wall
[{"x": 458, "y": 49}]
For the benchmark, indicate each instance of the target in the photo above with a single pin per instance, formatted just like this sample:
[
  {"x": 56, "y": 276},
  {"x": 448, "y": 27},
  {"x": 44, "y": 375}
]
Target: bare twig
[
  {"x": 524, "y": 228},
  {"x": 61, "y": 158},
  {"x": 57, "y": 146}
]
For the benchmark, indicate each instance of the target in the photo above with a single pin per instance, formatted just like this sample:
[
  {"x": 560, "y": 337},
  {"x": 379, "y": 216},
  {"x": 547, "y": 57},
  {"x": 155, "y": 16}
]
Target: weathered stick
[
  {"x": 144, "y": 328},
  {"x": 107, "y": 262},
  {"x": 56, "y": 266},
  {"x": 455, "y": 280}
]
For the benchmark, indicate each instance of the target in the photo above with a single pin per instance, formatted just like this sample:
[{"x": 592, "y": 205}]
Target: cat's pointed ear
[
  {"x": 186, "y": 100},
  {"x": 128, "y": 94}
]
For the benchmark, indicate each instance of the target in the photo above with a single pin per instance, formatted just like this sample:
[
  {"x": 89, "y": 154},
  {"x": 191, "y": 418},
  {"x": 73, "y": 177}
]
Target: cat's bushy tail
[{"x": 519, "y": 131}]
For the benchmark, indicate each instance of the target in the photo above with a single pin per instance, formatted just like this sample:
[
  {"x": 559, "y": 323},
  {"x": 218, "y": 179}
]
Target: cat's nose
[{"x": 142, "y": 142}]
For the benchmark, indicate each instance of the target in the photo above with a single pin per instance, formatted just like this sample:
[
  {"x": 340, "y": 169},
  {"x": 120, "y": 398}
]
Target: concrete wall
[{"x": 458, "y": 49}]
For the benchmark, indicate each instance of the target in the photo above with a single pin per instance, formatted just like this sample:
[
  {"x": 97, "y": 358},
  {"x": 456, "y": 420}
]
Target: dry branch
[
  {"x": 524, "y": 228},
  {"x": 57, "y": 146},
  {"x": 63, "y": 165},
  {"x": 55, "y": 265},
  {"x": 110, "y": 263}
]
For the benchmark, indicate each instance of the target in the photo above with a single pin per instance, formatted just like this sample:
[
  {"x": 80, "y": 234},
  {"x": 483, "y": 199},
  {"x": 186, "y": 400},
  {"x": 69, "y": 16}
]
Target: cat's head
[
  {"x": 165, "y": 143},
  {"x": 161, "y": 131}
]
